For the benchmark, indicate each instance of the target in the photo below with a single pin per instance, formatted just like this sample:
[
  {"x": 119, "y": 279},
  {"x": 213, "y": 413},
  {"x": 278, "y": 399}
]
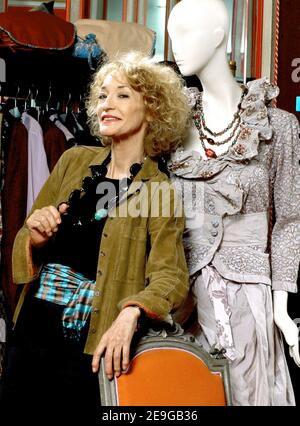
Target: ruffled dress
[{"x": 242, "y": 240}]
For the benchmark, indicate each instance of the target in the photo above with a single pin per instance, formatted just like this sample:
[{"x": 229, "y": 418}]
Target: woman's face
[{"x": 121, "y": 109}]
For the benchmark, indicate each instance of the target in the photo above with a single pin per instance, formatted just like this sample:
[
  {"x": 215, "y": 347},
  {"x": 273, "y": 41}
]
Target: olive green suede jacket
[{"x": 141, "y": 259}]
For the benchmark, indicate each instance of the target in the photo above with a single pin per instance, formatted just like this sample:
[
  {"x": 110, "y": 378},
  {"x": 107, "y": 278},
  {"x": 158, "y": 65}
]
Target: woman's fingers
[
  {"x": 117, "y": 354},
  {"x": 108, "y": 362},
  {"x": 98, "y": 353},
  {"x": 116, "y": 343},
  {"x": 62, "y": 208},
  {"x": 42, "y": 224},
  {"x": 46, "y": 219},
  {"x": 125, "y": 356}
]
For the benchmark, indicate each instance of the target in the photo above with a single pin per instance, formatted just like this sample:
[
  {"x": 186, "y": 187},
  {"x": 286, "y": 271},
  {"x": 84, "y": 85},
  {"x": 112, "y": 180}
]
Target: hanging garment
[
  {"x": 14, "y": 200},
  {"x": 55, "y": 142},
  {"x": 1, "y": 175},
  {"x": 38, "y": 170},
  {"x": 3, "y": 321},
  {"x": 68, "y": 135},
  {"x": 3, "y": 318},
  {"x": 77, "y": 125}
]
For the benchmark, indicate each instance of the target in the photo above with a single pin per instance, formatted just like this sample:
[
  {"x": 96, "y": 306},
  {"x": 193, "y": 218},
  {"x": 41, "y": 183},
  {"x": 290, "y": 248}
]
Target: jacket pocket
[{"x": 131, "y": 261}]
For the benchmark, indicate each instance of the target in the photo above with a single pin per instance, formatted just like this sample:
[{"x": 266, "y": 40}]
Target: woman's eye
[
  {"x": 123, "y": 95},
  {"x": 102, "y": 96}
]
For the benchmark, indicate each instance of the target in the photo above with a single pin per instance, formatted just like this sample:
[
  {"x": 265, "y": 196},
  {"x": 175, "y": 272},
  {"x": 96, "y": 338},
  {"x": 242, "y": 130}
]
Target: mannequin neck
[{"x": 221, "y": 92}]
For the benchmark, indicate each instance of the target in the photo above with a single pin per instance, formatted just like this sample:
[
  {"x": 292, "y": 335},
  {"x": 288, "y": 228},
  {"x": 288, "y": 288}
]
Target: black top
[{"x": 78, "y": 246}]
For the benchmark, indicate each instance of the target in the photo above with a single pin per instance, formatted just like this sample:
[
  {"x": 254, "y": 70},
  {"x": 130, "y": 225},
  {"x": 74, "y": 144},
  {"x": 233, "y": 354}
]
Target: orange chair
[{"x": 169, "y": 370}]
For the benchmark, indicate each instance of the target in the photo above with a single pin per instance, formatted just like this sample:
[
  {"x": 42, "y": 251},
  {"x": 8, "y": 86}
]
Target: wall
[
  {"x": 288, "y": 54},
  {"x": 59, "y": 9}
]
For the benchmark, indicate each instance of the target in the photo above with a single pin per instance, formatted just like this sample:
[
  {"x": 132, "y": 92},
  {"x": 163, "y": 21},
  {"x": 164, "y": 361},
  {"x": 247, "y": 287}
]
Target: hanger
[
  {"x": 1, "y": 100},
  {"x": 68, "y": 102},
  {"x": 33, "y": 99},
  {"x": 33, "y": 110},
  {"x": 27, "y": 97},
  {"x": 49, "y": 97},
  {"x": 15, "y": 112},
  {"x": 79, "y": 104}
]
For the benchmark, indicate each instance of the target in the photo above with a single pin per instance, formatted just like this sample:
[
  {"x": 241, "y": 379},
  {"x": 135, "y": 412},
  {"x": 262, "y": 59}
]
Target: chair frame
[{"x": 177, "y": 339}]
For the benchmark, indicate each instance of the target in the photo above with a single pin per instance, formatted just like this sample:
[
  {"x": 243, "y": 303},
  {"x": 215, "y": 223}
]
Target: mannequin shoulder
[{"x": 282, "y": 120}]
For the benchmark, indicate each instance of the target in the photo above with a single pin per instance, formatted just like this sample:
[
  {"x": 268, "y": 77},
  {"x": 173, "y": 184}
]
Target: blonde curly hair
[{"x": 163, "y": 95}]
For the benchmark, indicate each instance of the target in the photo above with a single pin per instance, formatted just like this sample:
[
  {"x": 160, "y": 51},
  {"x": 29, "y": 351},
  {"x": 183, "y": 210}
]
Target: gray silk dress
[{"x": 242, "y": 239}]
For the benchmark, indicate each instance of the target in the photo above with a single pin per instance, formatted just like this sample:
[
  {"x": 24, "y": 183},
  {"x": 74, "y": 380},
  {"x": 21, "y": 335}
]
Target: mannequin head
[{"x": 199, "y": 32}]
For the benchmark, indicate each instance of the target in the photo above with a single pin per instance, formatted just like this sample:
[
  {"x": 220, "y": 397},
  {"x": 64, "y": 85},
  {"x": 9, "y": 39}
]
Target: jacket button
[
  {"x": 96, "y": 310},
  {"x": 102, "y": 253},
  {"x": 93, "y": 330},
  {"x": 104, "y": 235},
  {"x": 215, "y": 223},
  {"x": 99, "y": 273},
  {"x": 214, "y": 233},
  {"x": 211, "y": 241},
  {"x": 97, "y": 293}
]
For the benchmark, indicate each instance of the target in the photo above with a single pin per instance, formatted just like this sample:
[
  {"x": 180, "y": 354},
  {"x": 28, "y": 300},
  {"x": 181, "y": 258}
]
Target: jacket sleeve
[
  {"x": 166, "y": 269},
  {"x": 26, "y": 260},
  {"x": 285, "y": 242}
]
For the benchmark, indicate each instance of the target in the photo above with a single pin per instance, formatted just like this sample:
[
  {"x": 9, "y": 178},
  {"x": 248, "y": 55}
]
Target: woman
[
  {"x": 239, "y": 169},
  {"x": 91, "y": 267}
]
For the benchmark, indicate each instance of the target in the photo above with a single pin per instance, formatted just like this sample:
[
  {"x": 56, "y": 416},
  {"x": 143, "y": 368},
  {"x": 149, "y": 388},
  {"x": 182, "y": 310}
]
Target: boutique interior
[{"x": 263, "y": 42}]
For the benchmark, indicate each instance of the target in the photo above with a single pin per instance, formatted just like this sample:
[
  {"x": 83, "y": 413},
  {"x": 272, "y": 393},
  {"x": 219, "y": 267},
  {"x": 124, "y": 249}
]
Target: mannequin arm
[{"x": 286, "y": 324}]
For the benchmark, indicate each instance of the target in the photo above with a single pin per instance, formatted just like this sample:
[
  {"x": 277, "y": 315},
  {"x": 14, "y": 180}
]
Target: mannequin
[{"x": 199, "y": 32}]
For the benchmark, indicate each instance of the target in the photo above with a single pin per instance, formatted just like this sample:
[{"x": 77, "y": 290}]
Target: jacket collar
[{"x": 149, "y": 169}]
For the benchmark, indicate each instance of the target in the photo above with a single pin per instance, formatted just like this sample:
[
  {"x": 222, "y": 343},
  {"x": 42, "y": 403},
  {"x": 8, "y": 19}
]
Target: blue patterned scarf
[{"x": 62, "y": 285}]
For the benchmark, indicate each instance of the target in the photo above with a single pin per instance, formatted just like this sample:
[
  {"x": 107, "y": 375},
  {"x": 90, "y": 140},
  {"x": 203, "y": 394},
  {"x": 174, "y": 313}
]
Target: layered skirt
[{"x": 239, "y": 318}]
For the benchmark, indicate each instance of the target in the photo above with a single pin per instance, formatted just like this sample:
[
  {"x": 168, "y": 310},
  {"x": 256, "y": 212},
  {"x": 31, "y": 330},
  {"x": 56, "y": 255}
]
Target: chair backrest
[
  {"x": 117, "y": 38},
  {"x": 166, "y": 370}
]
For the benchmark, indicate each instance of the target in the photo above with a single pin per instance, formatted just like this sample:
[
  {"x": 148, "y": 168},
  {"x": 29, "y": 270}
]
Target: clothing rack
[
  {"x": 41, "y": 94},
  {"x": 42, "y": 69}
]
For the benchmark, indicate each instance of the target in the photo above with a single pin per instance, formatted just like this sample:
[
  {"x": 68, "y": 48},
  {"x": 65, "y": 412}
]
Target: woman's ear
[
  {"x": 148, "y": 117},
  {"x": 218, "y": 36}
]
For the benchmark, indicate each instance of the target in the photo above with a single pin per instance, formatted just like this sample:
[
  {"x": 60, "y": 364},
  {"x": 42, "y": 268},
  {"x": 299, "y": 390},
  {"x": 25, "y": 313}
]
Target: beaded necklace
[
  {"x": 200, "y": 123},
  {"x": 77, "y": 215}
]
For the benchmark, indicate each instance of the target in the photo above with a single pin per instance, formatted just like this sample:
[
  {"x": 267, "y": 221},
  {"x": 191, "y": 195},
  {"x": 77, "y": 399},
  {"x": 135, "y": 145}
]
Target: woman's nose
[{"x": 108, "y": 103}]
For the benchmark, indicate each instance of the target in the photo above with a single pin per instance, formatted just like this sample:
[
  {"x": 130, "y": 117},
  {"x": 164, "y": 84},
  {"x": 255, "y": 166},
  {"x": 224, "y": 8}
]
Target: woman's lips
[{"x": 108, "y": 118}]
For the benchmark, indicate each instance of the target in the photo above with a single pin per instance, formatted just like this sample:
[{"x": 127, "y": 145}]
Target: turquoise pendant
[{"x": 100, "y": 214}]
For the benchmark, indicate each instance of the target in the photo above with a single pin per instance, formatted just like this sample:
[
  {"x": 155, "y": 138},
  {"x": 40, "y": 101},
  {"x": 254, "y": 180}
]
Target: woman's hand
[
  {"x": 116, "y": 343},
  {"x": 43, "y": 223}
]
